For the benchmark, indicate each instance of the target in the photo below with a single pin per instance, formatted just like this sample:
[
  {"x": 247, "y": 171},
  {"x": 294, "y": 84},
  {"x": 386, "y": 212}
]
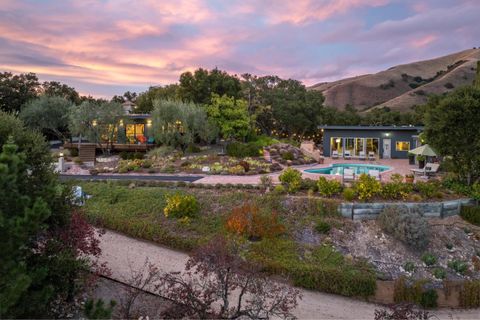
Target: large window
[
  {"x": 372, "y": 146},
  {"x": 135, "y": 132},
  {"x": 336, "y": 145},
  {"x": 402, "y": 146},
  {"x": 359, "y": 143},
  {"x": 349, "y": 144}
]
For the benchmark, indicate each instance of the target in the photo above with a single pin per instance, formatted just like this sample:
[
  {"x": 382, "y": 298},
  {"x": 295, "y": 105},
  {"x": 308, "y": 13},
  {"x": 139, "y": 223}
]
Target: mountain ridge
[{"x": 403, "y": 86}]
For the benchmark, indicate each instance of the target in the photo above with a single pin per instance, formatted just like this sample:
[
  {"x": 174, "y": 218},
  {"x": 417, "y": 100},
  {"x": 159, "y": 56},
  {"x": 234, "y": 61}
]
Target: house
[{"x": 383, "y": 141}]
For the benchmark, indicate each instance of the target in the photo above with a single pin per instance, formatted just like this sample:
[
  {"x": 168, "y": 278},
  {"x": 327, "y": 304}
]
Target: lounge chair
[
  {"x": 430, "y": 169},
  {"x": 347, "y": 155},
  {"x": 334, "y": 154},
  {"x": 375, "y": 174},
  {"x": 371, "y": 156},
  {"x": 348, "y": 175},
  {"x": 361, "y": 155}
]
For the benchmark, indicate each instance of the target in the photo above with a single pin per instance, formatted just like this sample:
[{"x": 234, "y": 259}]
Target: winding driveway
[{"x": 124, "y": 254}]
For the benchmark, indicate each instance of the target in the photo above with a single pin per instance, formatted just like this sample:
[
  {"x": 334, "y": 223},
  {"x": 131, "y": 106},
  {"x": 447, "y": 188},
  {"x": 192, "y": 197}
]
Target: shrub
[
  {"x": 309, "y": 184},
  {"x": 73, "y": 152},
  {"x": 429, "y": 259},
  {"x": 241, "y": 150},
  {"x": 266, "y": 182},
  {"x": 288, "y": 156},
  {"x": 323, "y": 227},
  {"x": 458, "y": 266},
  {"x": 245, "y": 165},
  {"x": 414, "y": 293},
  {"x": 179, "y": 206},
  {"x": 236, "y": 170},
  {"x": 409, "y": 266},
  {"x": 247, "y": 220},
  {"x": 427, "y": 189},
  {"x": 449, "y": 85},
  {"x": 279, "y": 189},
  {"x": 396, "y": 189},
  {"x": 147, "y": 164},
  {"x": 439, "y": 273},
  {"x": 193, "y": 148},
  {"x": 471, "y": 214},
  {"x": 160, "y": 152},
  {"x": 292, "y": 179},
  {"x": 405, "y": 225},
  {"x": 327, "y": 187},
  {"x": 348, "y": 194},
  {"x": 470, "y": 294},
  {"x": 367, "y": 187}
]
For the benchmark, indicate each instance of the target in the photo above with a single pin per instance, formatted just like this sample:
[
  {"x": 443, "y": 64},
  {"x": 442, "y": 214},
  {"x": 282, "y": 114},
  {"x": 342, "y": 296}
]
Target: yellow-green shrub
[
  {"x": 179, "y": 206},
  {"x": 292, "y": 179},
  {"x": 367, "y": 187},
  {"x": 327, "y": 187}
]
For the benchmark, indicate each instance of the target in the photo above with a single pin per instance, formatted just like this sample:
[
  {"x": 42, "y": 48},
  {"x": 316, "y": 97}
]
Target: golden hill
[{"x": 403, "y": 86}]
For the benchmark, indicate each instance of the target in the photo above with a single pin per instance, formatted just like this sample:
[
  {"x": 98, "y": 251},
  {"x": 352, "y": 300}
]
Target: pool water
[{"x": 337, "y": 168}]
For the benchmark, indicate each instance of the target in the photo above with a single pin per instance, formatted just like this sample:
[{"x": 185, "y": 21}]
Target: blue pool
[{"x": 359, "y": 168}]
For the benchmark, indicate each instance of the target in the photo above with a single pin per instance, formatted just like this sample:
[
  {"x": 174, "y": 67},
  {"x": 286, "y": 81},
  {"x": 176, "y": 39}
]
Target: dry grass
[{"x": 369, "y": 91}]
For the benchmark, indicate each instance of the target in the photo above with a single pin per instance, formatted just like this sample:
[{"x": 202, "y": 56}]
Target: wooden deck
[{"x": 115, "y": 147}]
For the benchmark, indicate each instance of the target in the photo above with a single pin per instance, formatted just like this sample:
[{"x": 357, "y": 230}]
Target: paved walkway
[{"x": 124, "y": 254}]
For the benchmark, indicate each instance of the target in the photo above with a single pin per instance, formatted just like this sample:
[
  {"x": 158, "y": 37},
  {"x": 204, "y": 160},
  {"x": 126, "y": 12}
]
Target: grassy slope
[
  {"x": 365, "y": 91},
  {"x": 138, "y": 212}
]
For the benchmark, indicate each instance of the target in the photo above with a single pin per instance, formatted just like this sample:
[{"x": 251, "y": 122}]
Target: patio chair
[
  {"x": 429, "y": 169},
  {"x": 348, "y": 175},
  {"x": 361, "y": 155},
  {"x": 375, "y": 174},
  {"x": 371, "y": 156},
  {"x": 334, "y": 154},
  {"x": 347, "y": 155}
]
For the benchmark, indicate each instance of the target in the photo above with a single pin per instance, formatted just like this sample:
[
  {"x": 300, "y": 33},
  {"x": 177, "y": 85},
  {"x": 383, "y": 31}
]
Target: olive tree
[
  {"x": 96, "y": 120},
  {"x": 48, "y": 114},
  {"x": 179, "y": 124}
]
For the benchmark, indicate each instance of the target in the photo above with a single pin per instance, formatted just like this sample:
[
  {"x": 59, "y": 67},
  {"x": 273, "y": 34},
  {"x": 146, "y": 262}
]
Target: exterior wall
[
  {"x": 393, "y": 135},
  {"x": 363, "y": 211}
]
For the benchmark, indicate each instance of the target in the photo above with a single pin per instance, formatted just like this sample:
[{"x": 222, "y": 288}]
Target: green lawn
[{"x": 138, "y": 212}]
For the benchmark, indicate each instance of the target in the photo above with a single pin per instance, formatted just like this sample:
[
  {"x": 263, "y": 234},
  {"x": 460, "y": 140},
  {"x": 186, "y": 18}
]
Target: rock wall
[{"x": 441, "y": 209}]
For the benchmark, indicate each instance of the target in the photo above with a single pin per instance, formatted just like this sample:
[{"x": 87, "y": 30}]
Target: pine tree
[{"x": 21, "y": 219}]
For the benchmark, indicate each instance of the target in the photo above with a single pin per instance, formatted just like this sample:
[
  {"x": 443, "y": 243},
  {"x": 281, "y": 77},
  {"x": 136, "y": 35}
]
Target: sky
[{"x": 106, "y": 47}]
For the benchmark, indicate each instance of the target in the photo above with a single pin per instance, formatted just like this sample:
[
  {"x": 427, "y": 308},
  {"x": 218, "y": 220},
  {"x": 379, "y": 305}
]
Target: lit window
[{"x": 403, "y": 146}]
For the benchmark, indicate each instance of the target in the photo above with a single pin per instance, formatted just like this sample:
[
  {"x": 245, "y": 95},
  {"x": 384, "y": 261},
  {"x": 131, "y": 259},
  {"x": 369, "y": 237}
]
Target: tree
[
  {"x": 97, "y": 121},
  {"x": 199, "y": 86},
  {"x": 231, "y": 116},
  {"x": 127, "y": 96},
  {"x": 16, "y": 90},
  {"x": 179, "y": 124},
  {"x": 451, "y": 128},
  {"x": 217, "y": 283},
  {"x": 57, "y": 89},
  {"x": 45, "y": 248},
  {"x": 145, "y": 99},
  {"x": 48, "y": 114}
]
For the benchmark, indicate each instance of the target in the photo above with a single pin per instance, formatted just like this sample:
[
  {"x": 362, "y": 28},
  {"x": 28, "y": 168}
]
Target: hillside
[{"x": 402, "y": 86}]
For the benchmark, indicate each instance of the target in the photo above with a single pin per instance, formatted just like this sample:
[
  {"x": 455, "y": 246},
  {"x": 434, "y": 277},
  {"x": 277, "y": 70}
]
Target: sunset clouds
[{"x": 110, "y": 46}]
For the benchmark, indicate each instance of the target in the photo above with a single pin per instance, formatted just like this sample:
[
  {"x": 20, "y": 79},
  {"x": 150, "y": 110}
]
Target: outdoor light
[
  {"x": 60, "y": 154},
  {"x": 387, "y": 134},
  {"x": 120, "y": 123},
  {"x": 94, "y": 123},
  {"x": 149, "y": 122},
  {"x": 338, "y": 140}
]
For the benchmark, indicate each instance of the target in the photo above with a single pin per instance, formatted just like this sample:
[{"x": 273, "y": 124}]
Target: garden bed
[{"x": 318, "y": 248}]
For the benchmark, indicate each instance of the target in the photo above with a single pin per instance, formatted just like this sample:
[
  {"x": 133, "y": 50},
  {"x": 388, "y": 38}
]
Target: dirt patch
[{"x": 451, "y": 239}]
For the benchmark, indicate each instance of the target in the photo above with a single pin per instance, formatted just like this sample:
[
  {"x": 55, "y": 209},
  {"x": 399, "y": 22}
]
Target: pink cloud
[{"x": 423, "y": 41}]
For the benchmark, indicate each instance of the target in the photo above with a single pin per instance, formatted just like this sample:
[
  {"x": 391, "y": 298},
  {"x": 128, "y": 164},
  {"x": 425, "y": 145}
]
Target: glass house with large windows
[{"x": 384, "y": 142}]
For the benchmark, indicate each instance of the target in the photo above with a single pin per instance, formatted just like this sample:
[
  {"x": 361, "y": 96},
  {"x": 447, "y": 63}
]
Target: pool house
[{"x": 381, "y": 142}]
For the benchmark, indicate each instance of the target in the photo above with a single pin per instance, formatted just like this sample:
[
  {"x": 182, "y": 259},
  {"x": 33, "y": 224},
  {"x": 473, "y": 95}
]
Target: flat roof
[{"x": 380, "y": 128}]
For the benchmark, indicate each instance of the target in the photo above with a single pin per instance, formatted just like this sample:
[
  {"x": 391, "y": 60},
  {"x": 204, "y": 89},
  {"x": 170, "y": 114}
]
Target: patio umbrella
[{"x": 424, "y": 150}]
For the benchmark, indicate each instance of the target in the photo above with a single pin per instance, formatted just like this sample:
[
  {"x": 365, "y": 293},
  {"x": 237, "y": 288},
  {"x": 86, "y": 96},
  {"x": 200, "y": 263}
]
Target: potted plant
[
  {"x": 409, "y": 178},
  {"x": 421, "y": 161},
  {"x": 411, "y": 158}
]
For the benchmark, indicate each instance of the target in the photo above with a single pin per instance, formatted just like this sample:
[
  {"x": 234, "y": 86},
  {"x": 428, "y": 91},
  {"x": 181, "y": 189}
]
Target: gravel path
[{"x": 123, "y": 254}]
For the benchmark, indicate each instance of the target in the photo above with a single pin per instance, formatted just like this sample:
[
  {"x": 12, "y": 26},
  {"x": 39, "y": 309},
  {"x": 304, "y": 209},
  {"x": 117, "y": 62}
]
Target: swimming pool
[{"x": 358, "y": 168}]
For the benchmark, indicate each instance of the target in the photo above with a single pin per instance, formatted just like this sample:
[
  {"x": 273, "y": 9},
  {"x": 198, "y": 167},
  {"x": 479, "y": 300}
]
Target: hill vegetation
[{"x": 404, "y": 86}]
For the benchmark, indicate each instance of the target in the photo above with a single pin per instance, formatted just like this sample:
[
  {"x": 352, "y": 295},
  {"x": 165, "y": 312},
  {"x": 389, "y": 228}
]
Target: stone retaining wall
[{"x": 441, "y": 209}]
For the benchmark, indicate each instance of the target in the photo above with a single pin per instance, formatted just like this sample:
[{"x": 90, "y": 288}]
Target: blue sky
[{"x": 106, "y": 47}]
